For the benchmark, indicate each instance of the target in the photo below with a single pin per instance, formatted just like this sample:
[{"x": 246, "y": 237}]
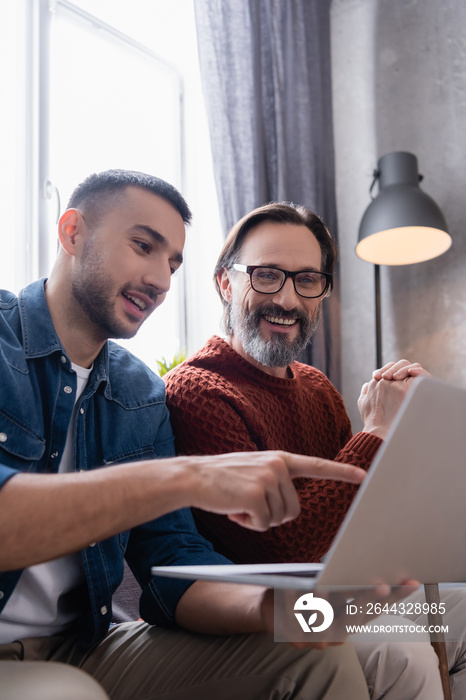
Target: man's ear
[
  {"x": 68, "y": 230},
  {"x": 224, "y": 284}
]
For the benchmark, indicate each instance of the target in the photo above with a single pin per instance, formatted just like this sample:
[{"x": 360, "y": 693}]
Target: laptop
[{"x": 408, "y": 519}]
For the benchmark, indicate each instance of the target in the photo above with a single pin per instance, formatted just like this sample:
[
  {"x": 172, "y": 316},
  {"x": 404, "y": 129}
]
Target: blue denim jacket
[{"x": 121, "y": 417}]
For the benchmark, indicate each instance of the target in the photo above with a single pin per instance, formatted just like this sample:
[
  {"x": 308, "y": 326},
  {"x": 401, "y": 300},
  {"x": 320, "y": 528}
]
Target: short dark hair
[
  {"x": 99, "y": 190},
  {"x": 278, "y": 212}
]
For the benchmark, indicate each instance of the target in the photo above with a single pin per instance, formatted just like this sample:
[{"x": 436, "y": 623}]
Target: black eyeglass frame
[{"x": 249, "y": 270}]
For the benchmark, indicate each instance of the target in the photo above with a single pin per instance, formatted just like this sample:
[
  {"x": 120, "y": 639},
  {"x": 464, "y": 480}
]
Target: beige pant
[
  {"x": 136, "y": 661},
  {"x": 139, "y": 662},
  {"x": 46, "y": 681},
  {"x": 417, "y": 674},
  {"x": 400, "y": 670}
]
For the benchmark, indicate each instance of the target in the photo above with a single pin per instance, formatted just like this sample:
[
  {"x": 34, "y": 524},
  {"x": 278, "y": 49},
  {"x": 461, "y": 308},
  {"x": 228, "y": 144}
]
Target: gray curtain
[{"x": 265, "y": 67}]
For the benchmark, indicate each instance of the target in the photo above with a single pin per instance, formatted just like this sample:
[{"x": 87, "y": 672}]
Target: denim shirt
[{"x": 120, "y": 417}]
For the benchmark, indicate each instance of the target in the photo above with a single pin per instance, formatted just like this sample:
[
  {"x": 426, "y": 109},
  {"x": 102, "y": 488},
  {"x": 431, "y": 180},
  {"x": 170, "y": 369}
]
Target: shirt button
[
  {"x": 93, "y": 544},
  {"x": 54, "y": 454},
  {"x": 81, "y": 410},
  {"x": 103, "y": 610},
  {"x": 63, "y": 359},
  {"x": 67, "y": 390},
  {"x": 1, "y": 594},
  {"x": 3, "y": 437}
]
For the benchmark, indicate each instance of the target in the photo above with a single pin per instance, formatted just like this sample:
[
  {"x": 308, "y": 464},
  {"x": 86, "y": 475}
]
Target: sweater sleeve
[{"x": 359, "y": 450}]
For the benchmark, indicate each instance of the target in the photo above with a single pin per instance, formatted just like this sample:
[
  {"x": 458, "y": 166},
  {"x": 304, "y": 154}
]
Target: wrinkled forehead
[{"x": 282, "y": 245}]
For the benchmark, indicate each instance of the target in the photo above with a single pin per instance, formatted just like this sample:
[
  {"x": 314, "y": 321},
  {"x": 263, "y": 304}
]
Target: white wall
[{"x": 399, "y": 84}]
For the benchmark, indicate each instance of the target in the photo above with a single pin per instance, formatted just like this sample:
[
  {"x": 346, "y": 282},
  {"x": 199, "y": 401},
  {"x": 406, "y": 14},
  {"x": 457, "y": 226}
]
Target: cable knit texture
[{"x": 220, "y": 403}]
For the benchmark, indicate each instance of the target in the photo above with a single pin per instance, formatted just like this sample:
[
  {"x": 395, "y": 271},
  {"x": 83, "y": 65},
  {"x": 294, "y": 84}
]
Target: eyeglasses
[{"x": 269, "y": 280}]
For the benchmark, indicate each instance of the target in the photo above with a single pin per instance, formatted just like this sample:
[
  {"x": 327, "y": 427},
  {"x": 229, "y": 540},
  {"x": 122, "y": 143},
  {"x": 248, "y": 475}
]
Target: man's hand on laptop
[
  {"x": 382, "y": 396},
  {"x": 255, "y": 489}
]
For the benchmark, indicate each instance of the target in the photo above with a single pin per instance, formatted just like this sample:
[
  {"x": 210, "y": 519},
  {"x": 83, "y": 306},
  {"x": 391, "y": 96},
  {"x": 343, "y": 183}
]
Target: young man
[
  {"x": 87, "y": 477},
  {"x": 247, "y": 392}
]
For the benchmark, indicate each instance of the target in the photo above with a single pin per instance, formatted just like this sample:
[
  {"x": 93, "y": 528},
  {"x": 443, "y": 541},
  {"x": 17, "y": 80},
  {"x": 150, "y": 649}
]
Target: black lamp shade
[{"x": 402, "y": 225}]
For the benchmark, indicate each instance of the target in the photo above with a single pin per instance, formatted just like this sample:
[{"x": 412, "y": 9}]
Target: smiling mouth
[
  {"x": 138, "y": 303},
  {"x": 280, "y": 321}
]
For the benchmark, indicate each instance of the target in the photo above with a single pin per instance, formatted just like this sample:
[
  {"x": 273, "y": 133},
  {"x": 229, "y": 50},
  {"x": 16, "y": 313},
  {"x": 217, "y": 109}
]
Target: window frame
[{"x": 39, "y": 188}]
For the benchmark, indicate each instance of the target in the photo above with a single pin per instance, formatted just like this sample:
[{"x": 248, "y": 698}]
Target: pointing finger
[{"x": 319, "y": 468}]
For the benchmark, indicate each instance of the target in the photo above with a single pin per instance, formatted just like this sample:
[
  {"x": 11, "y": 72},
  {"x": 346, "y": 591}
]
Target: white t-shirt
[{"x": 42, "y": 602}]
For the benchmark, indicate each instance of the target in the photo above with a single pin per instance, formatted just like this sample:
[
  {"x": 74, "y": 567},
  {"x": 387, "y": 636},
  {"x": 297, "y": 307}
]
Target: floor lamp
[{"x": 401, "y": 226}]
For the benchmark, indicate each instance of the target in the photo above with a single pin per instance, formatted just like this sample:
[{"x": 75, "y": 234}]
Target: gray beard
[{"x": 278, "y": 351}]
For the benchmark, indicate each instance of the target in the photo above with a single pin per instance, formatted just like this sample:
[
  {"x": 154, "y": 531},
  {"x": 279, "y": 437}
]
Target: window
[
  {"x": 15, "y": 254},
  {"x": 110, "y": 83}
]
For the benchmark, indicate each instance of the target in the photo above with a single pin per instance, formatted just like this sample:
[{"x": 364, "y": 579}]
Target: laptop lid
[{"x": 408, "y": 518}]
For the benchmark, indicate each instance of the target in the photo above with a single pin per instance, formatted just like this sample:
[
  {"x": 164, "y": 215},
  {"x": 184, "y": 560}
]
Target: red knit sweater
[{"x": 220, "y": 403}]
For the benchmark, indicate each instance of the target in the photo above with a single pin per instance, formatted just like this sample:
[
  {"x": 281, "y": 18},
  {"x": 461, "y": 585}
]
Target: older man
[{"x": 248, "y": 392}]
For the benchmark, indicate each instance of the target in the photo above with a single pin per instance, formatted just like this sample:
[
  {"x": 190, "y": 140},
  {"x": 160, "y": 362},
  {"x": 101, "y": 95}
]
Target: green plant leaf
[{"x": 166, "y": 365}]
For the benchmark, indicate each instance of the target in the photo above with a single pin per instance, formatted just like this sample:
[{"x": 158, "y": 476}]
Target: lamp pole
[{"x": 378, "y": 318}]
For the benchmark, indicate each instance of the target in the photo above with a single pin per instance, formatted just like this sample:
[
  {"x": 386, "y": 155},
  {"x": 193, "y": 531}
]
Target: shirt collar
[{"x": 39, "y": 336}]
